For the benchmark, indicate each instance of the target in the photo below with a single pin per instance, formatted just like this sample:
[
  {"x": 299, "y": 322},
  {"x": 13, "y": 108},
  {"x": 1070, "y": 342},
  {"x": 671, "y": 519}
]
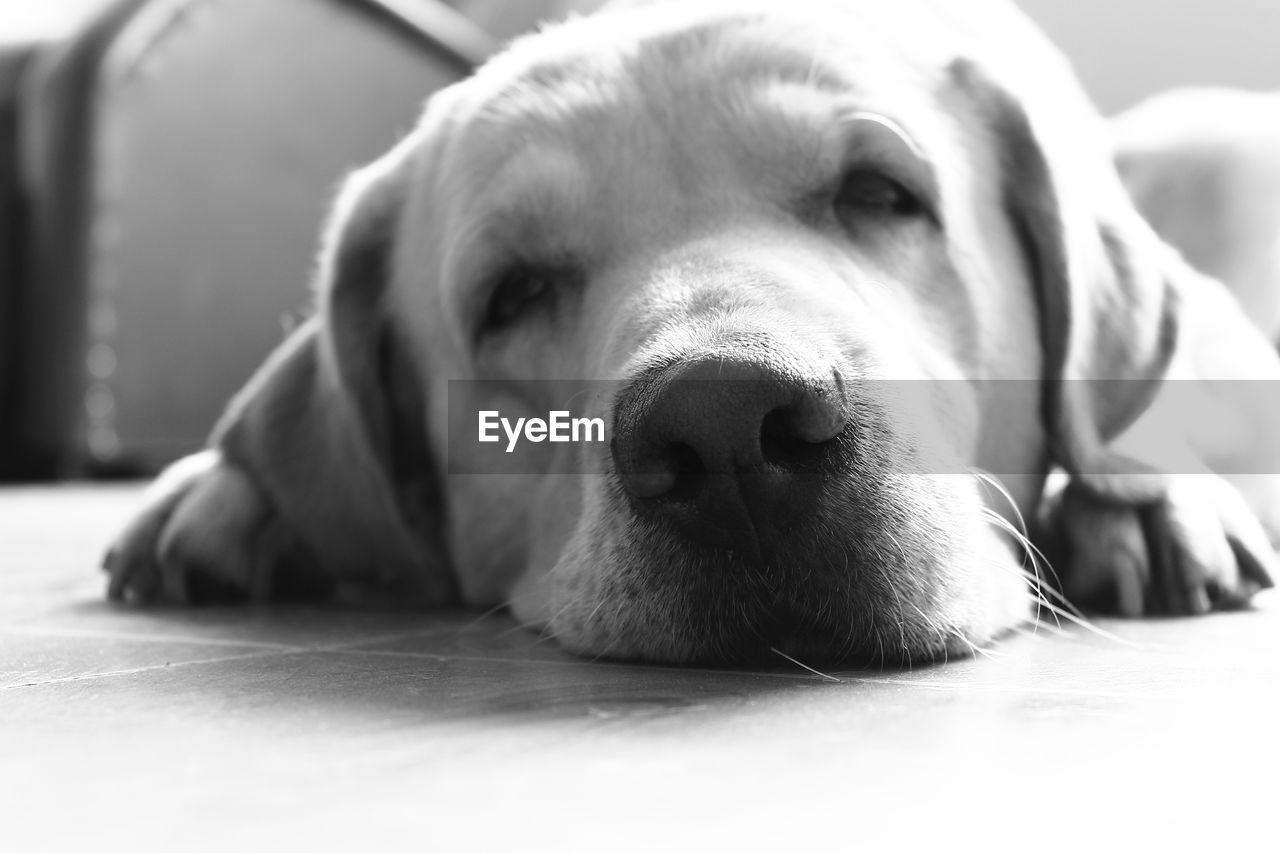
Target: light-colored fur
[
  {"x": 684, "y": 160},
  {"x": 1203, "y": 166}
]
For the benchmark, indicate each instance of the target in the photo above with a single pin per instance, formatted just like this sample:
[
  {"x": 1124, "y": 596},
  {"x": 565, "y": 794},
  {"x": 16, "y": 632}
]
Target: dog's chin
[{"x": 891, "y": 569}]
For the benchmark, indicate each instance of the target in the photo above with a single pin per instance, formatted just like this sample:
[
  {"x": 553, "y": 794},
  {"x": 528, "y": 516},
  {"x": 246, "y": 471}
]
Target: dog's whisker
[
  {"x": 1023, "y": 535},
  {"x": 1045, "y": 591},
  {"x": 1036, "y": 627},
  {"x": 546, "y": 632},
  {"x": 1029, "y": 549},
  {"x": 999, "y": 488},
  {"x": 1039, "y": 561},
  {"x": 893, "y": 590},
  {"x": 824, "y": 676},
  {"x": 582, "y": 392},
  {"x": 1049, "y": 593},
  {"x": 1038, "y": 593},
  {"x": 1064, "y": 611},
  {"x": 566, "y": 607},
  {"x": 482, "y": 617},
  {"x": 989, "y": 654},
  {"x": 1092, "y": 628},
  {"x": 850, "y": 643},
  {"x": 936, "y": 630},
  {"x": 943, "y": 634},
  {"x": 1044, "y": 566},
  {"x": 999, "y": 521},
  {"x": 542, "y": 632},
  {"x": 902, "y": 624},
  {"x": 619, "y": 606}
]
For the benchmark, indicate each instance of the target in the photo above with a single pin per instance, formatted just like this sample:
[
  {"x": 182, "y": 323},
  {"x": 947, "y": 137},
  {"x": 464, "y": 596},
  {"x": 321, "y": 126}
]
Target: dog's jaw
[
  {"x": 893, "y": 565},
  {"x": 877, "y": 592}
]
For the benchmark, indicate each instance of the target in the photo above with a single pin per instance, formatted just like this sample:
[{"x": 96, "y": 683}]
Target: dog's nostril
[
  {"x": 780, "y": 443},
  {"x": 687, "y": 468},
  {"x": 798, "y": 432},
  {"x": 675, "y": 471},
  {"x": 707, "y": 442},
  {"x": 647, "y": 485}
]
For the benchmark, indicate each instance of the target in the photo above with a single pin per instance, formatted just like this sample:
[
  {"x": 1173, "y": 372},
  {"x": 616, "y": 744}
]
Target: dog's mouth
[
  {"x": 862, "y": 578},
  {"x": 753, "y": 517}
]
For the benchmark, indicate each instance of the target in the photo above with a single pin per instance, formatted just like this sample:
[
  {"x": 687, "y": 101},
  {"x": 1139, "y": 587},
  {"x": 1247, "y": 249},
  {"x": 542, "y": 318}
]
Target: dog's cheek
[
  {"x": 594, "y": 599},
  {"x": 554, "y": 516},
  {"x": 960, "y": 583},
  {"x": 488, "y": 525},
  {"x": 1001, "y": 589}
]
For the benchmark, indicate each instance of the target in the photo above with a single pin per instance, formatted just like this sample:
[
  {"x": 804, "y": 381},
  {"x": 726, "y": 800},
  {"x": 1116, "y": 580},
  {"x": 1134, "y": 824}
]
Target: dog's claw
[
  {"x": 130, "y": 563},
  {"x": 1255, "y": 570}
]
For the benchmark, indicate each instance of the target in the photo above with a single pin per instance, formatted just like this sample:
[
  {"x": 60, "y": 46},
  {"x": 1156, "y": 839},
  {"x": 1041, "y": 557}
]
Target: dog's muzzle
[{"x": 727, "y": 451}]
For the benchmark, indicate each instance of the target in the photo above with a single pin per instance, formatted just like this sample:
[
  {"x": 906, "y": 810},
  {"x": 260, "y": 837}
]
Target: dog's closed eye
[
  {"x": 886, "y": 176},
  {"x": 517, "y": 291},
  {"x": 868, "y": 192},
  {"x": 520, "y": 290}
]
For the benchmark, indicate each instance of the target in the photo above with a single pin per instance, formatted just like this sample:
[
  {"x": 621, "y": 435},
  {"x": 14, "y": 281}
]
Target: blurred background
[{"x": 165, "y": 166}]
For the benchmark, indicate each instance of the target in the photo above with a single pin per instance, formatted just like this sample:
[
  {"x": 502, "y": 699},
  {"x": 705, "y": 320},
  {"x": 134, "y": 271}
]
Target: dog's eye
[
  {"x": 518, "y": 290},
  {"x": 872, "y": 193}
]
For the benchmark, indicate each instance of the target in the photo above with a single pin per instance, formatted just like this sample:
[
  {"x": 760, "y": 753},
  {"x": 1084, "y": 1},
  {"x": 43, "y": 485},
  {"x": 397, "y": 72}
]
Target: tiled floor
[{"x": 317, "y": 729}]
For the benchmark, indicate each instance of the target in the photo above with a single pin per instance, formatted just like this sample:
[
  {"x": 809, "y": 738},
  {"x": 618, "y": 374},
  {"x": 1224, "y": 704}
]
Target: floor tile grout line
[
  {"x": 90, "y": 676},
  {"x": 355, "y": 645},
  {"x": 89, "y": 633}
]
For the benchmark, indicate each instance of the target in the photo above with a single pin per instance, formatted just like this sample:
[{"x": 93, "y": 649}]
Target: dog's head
[{"x": 813, "y": 267}]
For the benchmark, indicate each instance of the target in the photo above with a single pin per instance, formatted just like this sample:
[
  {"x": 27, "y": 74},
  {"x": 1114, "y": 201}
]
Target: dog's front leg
[
  {"x": 208, "y": 527},
  {"x": 289, "y": 498},
  {"x": 1192, "y": 525}
]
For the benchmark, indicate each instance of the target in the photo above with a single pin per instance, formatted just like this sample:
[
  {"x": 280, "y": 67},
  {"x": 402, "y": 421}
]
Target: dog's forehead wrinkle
[
  {"x": 670, "y": 71},
  {"x": 561, "y": 128},
  {"x": 533, "y": 202}
]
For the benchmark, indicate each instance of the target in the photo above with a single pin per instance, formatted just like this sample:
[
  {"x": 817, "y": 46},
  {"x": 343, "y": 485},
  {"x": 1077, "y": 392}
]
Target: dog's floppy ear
[
  {"x": 1113, "y": 299},
  {"x": 332, "y": 427},
  {"x": 1106, "y": 286}
]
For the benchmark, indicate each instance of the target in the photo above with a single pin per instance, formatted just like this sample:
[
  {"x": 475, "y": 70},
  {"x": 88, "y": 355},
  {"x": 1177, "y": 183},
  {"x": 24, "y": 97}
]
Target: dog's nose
[{"x": 726, "y": 448}]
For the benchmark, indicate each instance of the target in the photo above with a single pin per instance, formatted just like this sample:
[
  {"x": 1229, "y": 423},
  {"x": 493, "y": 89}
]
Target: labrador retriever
[
  {"x": 1203, "y": 166},
  {"x": 845, "y": 281}
]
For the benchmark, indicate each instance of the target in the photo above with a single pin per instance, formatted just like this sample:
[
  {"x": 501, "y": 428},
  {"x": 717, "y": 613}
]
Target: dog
[
  {"x": 846, "y": 280},
  {"x": 1203, "y": 168}
]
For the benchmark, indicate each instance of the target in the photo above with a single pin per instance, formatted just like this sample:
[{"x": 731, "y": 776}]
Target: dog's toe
[
  {"x": 1196, "y": 550},
  {"x": 132, "y": 562},
  {"x": 206, "y": 533},
  {"x": 1098, "y": 552}
]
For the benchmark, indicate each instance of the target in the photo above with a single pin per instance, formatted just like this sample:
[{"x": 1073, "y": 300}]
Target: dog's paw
[
  {"x": 205, "y": 533},
  {"x": 1198, "y": 549}
]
